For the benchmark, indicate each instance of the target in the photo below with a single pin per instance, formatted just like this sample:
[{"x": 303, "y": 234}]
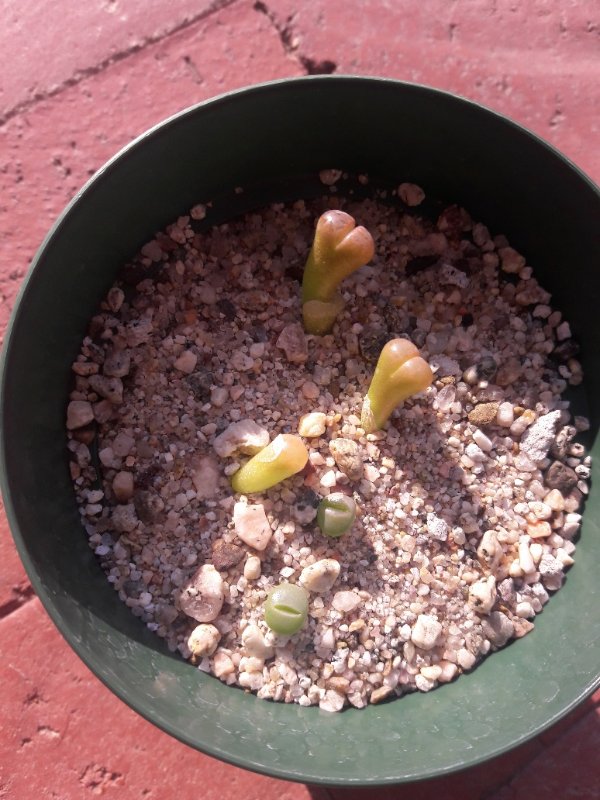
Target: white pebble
[
  {"x": 79, "y": 413},
  {"x": 426, "y": 632},
  {"x": 205, "y": 477},
  {"x": 498, "y": 628},
  {"x": 482, "y": 594},
  {"x": 555, "y": 500},
  {"x": 203, "y": 594},
  {"x": 251, "y": 525},
  {"x": 521, "y": 423},
  {"x": 346, "y": 601},
  {"x": 371, "y": 473},
  {"x": 294, "y": 344},
  {"x": 482, "y": 441},
  {"x": 474, "y": 452},
  {"x": 563, "y": 556},
  {"x": 489, "y": 550},
  {"x": 257, "y": 349},
  {"x": 254, "y": 643},
  {"x": 222, "y": 664},
  {"x": 465, "y": 658},
  {"x": 437, "y": 527},
  {"x": 186, "y": 362},
  {"x": 537, "y": 550},
  {"x": 449, "y": 275},
  {"x": 203, "y": 640},
  {"x": 422, "y": 683},
  {"x": 115, "y": 298},
  {"x": 245, "y": 436},
  {"x": 411, "y": 194},
  {"x": 514, "y": 569},
  {"x": 540, "y": 510},
  {"x": 198, "y": 211},
  {"x": 511, "y": 260},
  {"x": 251, "y": 680},
  {"x": 207, "y": 293},
  {"x": 124, "y": 518},
  {"x": 122, "y": 445},
  {"x": 320, "y": 576},
  {"x": 329, "y": 479},
  {"x": 431, "y": 673},
  {"x": 537, "y": 439},
  {"x": 122, "y": 486},
  {"x": 332, "y": 701},
  {"x": 241, "y": 361},
  {"x": 287, "y": 572},
  {"x": 218, "y": 396},
  {"x": 505, "y": 415},
  {"x": 316, "y": 458},
  {"x": 448, "y": 672},
  {"x": 152, "y": 250},
  {"x": 551, "y": 570},
  {"x": 542, "y": 311},
  {"x": 310, "y": 390},
  {"x": 252, "y": 568},
  {"x": 563, "y": 331},
  {"x": 571, "y": 526},
  {"x": 330, "y": 176},
  {"x": 312, "y": 425},
  {"x": 525, "y": 558},
  {"x": 444, "y": 398},
  {"x": 525, "y": 609},
  {"x": 327, "y": 640}
]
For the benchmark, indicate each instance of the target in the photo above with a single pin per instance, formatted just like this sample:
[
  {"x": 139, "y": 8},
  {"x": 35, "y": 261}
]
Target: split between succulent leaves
[
  {"x": 339, "y": 249},
  {"x": 400, "y": 373}
]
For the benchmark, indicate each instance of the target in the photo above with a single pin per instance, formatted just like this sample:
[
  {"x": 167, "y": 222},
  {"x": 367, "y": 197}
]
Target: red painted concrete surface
[{"x": 80, "y": 80}]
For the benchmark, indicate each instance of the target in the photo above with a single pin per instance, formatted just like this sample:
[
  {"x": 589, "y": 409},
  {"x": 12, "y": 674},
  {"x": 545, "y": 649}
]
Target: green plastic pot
[{"x": 272, "y": 140}]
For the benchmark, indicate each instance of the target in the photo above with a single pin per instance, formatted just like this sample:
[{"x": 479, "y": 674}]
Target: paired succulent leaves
[
  {"x": 400, "y": 373},
  {"x": 339, "y": 249}
]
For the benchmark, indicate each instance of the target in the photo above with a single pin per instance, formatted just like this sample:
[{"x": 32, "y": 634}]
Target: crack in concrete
[
  {"x": 89, "y": 72},
  {"x": 290, "y": 43},
  {"x": 193, "y": 69}
]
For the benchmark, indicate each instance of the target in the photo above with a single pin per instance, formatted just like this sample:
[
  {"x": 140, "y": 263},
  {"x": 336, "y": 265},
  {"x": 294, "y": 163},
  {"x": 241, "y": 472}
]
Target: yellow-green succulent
[
  {"x": 339, "y": 248},
  {"x": 283, "y": 457},
  {"x": 400, "y": 373}
]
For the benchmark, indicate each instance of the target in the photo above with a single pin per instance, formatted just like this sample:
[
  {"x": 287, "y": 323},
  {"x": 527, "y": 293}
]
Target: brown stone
[
  {"x": 338, "y": 683},
  {"x": 377, "y": 695},
  {"x": 346, "y": 454},
  {"x": 226, "y": 554},
  {"x": 483, "y": 414},
  {"x": 561, "y": 477}
]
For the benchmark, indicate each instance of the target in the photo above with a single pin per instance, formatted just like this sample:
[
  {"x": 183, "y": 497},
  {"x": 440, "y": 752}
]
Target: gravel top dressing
[{"x": 445, "y": 527}]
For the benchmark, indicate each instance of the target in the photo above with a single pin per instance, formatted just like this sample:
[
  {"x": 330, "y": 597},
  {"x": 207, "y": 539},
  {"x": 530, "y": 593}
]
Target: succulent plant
[
  {"x": 284, "y": 456},
  {"x": 286, "y": 608},
  {"x": 400, "y": 373},
  {"x": 339, "y": 248},
  {"x": 335, "y": 514}
]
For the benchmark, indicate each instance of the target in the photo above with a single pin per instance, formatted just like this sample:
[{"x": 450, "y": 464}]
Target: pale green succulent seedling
[
  {"x": 339, "y": 249},
  {"x": 284, "y": 456},
  {"x": 286, "y": 608},
  {"x": 335, "y": 514},
  {"x": 400, "y": 373}
]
